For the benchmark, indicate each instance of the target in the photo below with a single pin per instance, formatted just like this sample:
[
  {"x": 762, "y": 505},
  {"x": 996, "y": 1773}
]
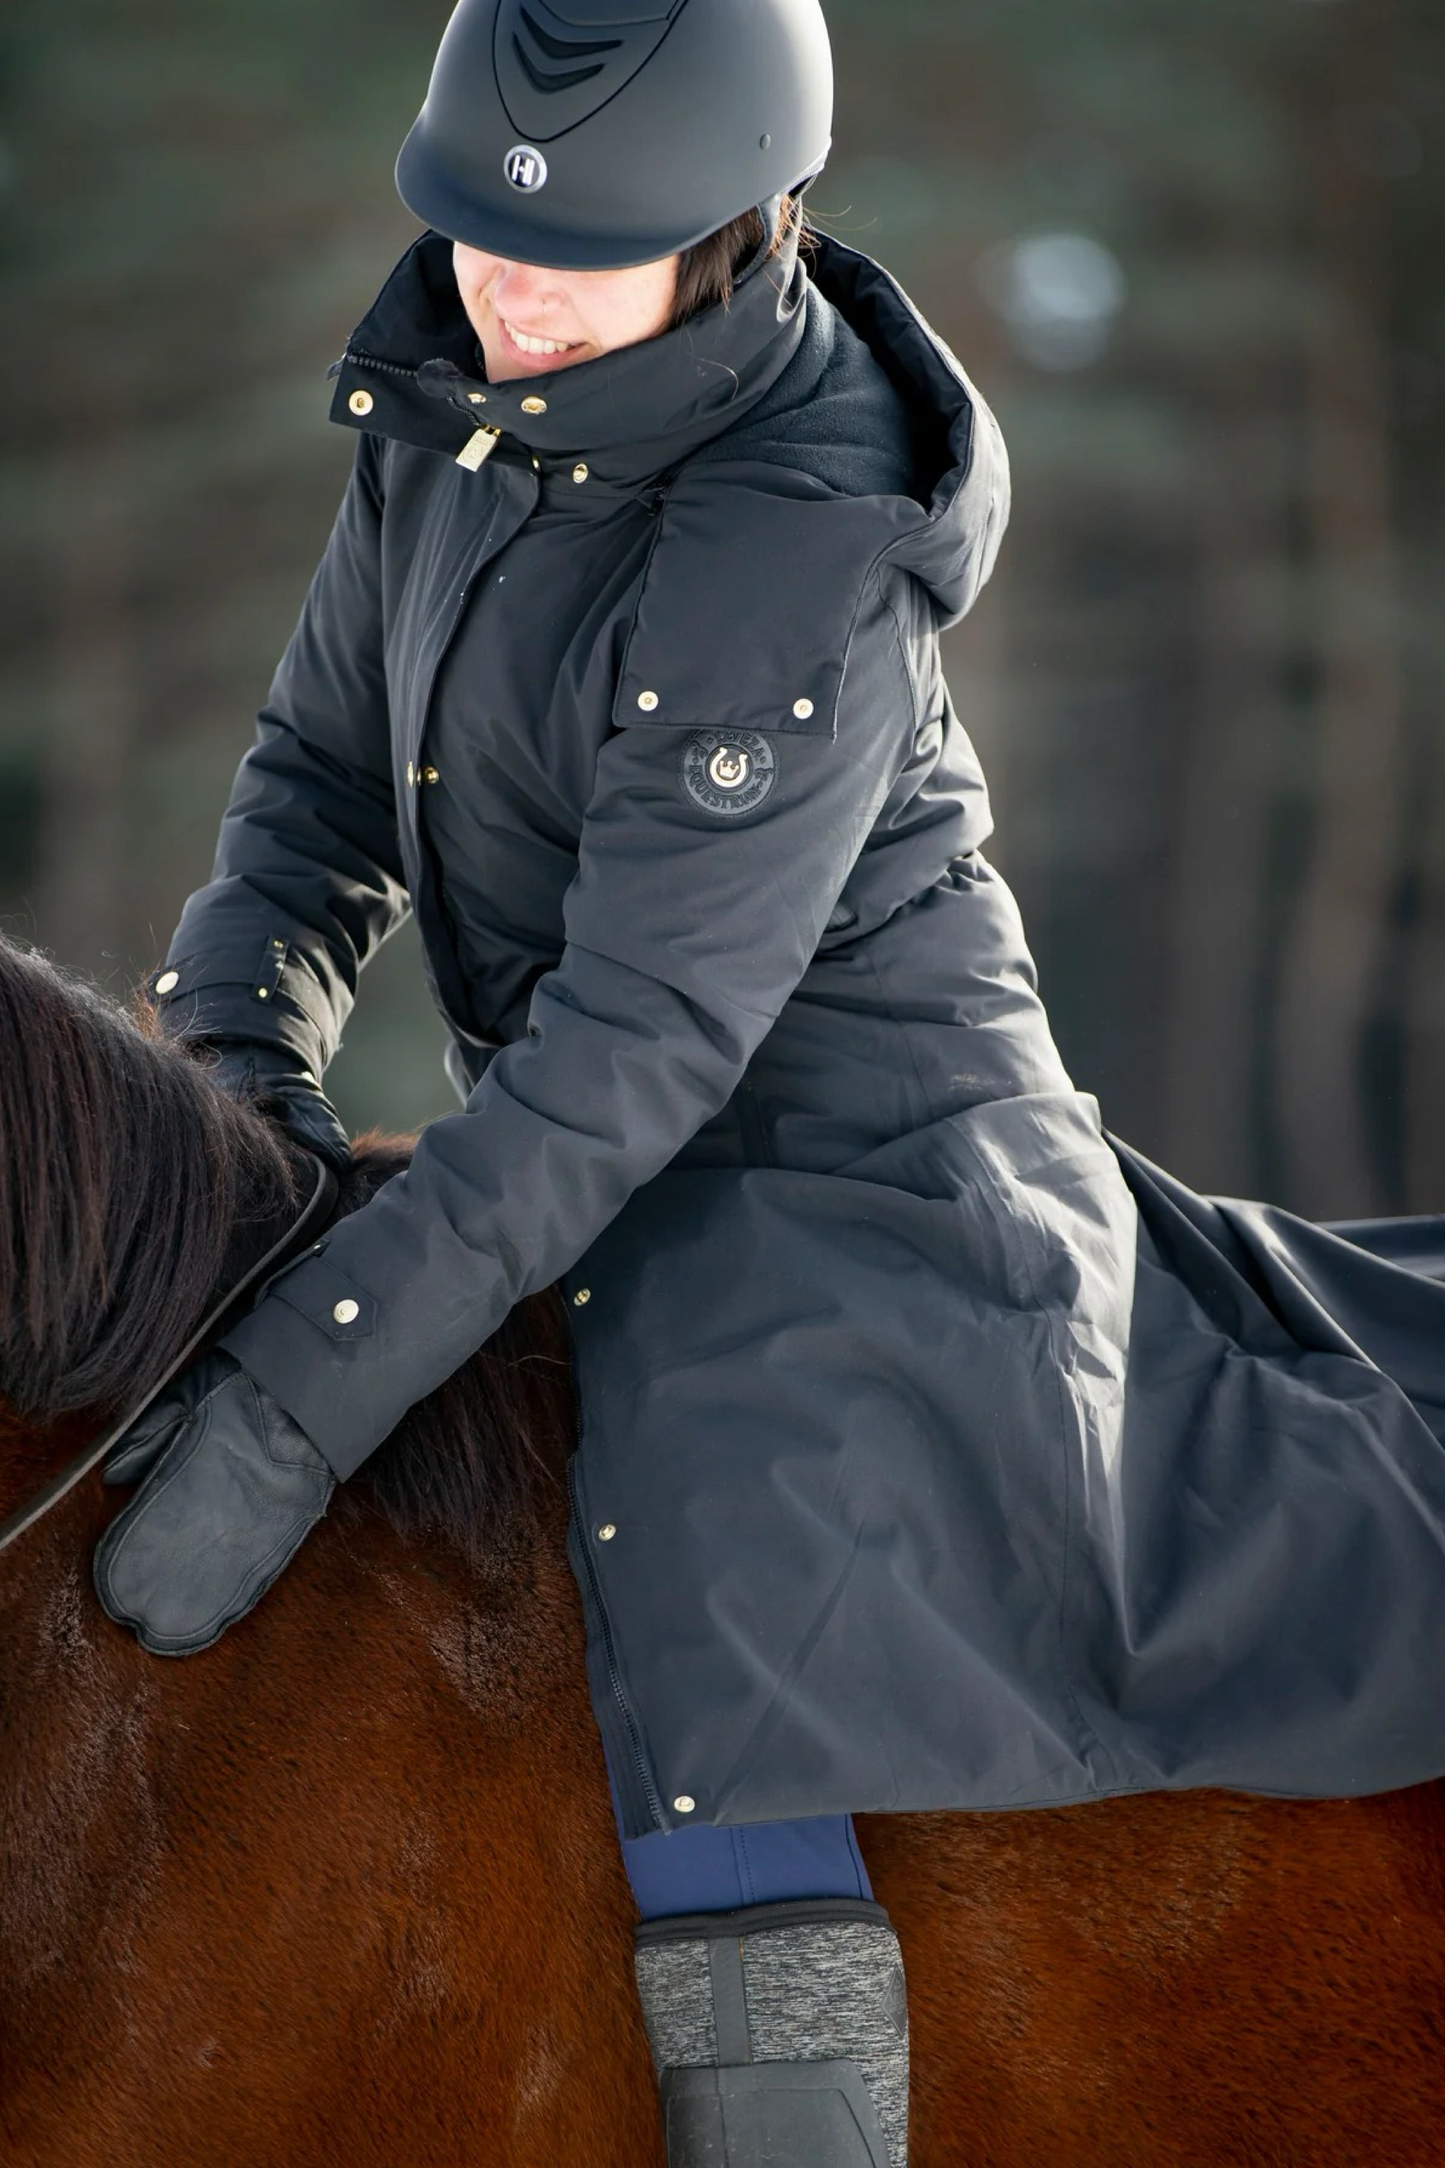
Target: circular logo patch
[
  {"x": 526, "y": 169},
  {"x": 728, "y": 775}
]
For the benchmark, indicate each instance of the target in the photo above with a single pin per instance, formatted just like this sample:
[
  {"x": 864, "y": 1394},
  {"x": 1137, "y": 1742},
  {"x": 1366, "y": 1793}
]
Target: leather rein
[{"x": 315, "y": 1216}]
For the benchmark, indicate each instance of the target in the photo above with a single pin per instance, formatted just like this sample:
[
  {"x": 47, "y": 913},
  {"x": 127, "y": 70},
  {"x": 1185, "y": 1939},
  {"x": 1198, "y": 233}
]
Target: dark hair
[{"x": 707, "y": 270}]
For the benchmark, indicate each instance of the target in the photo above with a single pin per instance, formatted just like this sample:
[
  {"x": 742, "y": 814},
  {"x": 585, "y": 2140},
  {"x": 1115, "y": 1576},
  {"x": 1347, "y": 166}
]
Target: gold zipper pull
[{"x": 481, "y": 448}]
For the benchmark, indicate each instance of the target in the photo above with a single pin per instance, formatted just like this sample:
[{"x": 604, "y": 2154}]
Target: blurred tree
[
  {"x": 200, "y": 207},
  {"x": 1191, "y": 256}
]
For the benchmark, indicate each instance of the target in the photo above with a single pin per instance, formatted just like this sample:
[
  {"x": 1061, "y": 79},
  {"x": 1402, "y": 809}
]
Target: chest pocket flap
[{"x": 749, "y": 601}]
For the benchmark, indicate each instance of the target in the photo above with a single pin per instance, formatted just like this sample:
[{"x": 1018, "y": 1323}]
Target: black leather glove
[
  {"x": 230, "y": 1488},
  {"x": 281, "y": 1087}
]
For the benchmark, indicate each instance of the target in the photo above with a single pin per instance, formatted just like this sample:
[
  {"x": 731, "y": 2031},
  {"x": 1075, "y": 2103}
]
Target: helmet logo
[{"x": 526, "y": 169}]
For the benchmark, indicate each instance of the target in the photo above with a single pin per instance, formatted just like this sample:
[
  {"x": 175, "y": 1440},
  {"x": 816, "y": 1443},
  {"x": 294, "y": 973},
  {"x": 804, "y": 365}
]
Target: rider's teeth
[{"x": 535, "y": 346}]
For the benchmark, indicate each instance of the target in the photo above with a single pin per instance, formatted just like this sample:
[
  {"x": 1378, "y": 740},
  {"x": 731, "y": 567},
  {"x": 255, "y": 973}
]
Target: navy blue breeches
[{"x": 721, "y": 1870}]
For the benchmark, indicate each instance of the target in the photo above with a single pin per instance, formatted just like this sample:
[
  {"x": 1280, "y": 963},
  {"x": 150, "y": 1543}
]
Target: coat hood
[
  {"x": 878, "y": 407},
  {"x": 828, "y": 372}
]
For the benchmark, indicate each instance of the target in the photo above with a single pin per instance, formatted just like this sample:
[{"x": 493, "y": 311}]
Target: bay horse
[{"x": 347, "y": 1888}]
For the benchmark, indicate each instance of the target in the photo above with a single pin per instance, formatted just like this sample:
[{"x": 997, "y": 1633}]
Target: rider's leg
[{"x": 773, "y": 1993}]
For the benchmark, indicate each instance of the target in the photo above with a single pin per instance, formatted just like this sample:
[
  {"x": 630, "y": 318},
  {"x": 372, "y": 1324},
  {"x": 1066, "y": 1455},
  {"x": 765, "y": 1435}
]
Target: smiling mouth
[{"x": 526, "y": 344}]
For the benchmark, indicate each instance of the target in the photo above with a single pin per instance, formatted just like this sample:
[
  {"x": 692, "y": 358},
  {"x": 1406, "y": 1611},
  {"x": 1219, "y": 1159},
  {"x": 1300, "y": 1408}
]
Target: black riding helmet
[{"x": 588, "y": 135}]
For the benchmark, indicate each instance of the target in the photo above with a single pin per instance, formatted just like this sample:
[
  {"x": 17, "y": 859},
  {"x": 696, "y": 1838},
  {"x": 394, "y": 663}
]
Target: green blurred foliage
[{"x": 1193, "y": 257}]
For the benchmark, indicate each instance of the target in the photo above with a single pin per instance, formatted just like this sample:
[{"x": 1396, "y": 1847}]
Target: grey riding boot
[{"x": 780, "y": 2035}]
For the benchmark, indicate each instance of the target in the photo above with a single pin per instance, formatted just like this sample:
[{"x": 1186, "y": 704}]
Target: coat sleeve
[
  {"x": 308, "y": 878},
  {"x": 686, "y": 931}
]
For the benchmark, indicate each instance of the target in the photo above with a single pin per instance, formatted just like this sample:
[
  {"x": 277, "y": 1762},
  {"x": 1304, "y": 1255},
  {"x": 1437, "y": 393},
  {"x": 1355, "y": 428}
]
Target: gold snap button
[
  {"x": 361, "y": 402},
  {"x": 347, "y": 1312},
  {"x": 606, "y": 1533},
  {"x": 263, "y": 993},
  {"x": 477, "y": 398},
  {"x": 534, "y": 405},
  {"x": 580, "y": 472},
  {"x": 684, "y": 1803},
  {"x": 647, "y": 702},
  {"x": 583, "y": 1294},
  {"x": 431, "y": 775},
  {"x": 802, "y": 709},
  {"x": 168, "y": 982}
]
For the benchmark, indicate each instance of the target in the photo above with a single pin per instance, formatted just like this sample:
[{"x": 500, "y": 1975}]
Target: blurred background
[{"x": 1193, "y": 256}]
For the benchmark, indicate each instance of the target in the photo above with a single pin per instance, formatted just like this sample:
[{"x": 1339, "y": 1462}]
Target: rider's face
[{"x": 531, "y": 321}]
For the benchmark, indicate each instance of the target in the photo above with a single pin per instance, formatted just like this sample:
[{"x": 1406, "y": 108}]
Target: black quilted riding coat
[{"x": 936, "y": 1450}]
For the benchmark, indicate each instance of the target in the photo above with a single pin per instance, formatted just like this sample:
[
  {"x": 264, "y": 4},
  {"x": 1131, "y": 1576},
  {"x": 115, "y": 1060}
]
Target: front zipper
[
  {"x": 599, "y": 1611},
  {"x": 483, "y": 556},
  {"x": 479, "y": 448},
  {"x": 485, "y": 438},
  {"x": 369, "y": 361}
]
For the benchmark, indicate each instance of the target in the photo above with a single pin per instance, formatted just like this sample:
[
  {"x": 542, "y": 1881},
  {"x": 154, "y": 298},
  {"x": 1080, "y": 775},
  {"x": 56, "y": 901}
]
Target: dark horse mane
[{"x": 133, "y": 1194}]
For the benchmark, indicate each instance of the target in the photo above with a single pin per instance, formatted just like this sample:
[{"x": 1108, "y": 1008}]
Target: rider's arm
[{"x": 308, "y": 877}]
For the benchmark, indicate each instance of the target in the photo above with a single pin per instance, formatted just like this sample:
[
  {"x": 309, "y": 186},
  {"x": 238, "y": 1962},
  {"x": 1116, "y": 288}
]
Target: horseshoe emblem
[{"x": 729, "y": 766}]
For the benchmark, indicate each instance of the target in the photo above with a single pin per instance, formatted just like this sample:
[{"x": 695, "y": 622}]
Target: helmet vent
[
  {"x": 547, "y": 71},
  {"x": 554, "y": 73}
]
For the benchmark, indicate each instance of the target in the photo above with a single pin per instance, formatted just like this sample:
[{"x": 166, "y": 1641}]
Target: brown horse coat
[{"x": 347, "y": 1887}]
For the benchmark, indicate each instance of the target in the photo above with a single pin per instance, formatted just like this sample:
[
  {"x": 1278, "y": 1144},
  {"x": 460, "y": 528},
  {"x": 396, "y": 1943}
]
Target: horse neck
[{"x": 131, "y": 1193}]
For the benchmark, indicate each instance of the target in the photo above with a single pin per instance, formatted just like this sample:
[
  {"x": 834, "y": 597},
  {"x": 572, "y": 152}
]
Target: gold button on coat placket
[
  {"x": 534, "y": 405},
  {"x": 580, "y": 472},
  {"x": 361, "y": 402}
]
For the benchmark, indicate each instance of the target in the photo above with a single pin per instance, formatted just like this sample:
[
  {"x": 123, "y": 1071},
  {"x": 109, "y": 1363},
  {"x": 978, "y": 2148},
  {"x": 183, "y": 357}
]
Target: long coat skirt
[
  {"x": 937, "y": 1451},
  {"x": 1190, "y": 1529}
]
